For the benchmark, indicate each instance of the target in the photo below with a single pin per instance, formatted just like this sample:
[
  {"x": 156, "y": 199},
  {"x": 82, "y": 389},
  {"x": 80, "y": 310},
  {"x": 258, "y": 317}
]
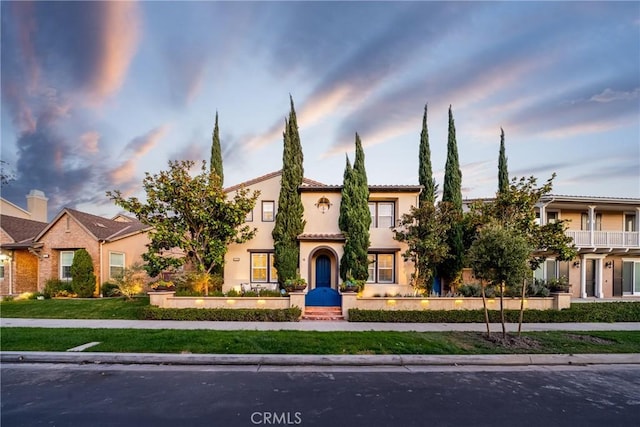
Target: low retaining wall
[{"x": 167, "y": 299}]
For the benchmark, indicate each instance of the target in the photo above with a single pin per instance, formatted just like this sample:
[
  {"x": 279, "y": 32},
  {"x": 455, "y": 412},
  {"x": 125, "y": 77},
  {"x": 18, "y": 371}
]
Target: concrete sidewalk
[{"x": 315, "y": 325}]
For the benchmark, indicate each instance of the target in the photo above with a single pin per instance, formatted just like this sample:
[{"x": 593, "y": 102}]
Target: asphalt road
[{"x": 150, "y": 395}]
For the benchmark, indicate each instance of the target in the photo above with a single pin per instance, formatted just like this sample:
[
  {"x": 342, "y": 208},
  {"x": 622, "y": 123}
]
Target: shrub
[
  {"x": 132, "y": 281},
  {"x": 83, "y": 281},
  {"x": 110, "y": 289},
  {"x": 580, "y": 312},
  {"x": 223, "y": 314},
  {"x": 195, "y": 283},
  {"x": 58, "y": 288}
]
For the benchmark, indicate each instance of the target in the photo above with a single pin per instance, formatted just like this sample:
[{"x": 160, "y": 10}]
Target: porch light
[
  {"x": 323, "y": 204},
  {"x": 576, "y": 264},
  {"x": 608, "y": 264}
]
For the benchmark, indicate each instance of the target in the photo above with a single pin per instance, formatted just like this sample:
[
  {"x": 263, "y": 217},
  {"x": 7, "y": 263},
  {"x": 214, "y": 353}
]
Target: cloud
[
  {"x": 609, "y": 95},
  {"x": 117, "y": 40},
  {"x": 125, "y": 173},
  {"x": 90, "y": 141}
]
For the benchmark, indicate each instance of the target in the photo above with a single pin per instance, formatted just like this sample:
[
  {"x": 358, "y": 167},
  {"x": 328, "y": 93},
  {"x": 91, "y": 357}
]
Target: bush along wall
[
  {"x": 223, "y": 314},
  {"x": 583, "y": 312}
]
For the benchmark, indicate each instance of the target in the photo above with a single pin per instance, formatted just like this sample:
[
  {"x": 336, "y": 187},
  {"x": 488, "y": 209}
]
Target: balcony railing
[{"x": 605, "y": 239}]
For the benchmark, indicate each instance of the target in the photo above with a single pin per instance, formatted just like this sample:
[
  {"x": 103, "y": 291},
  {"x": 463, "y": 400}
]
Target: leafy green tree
[
  {"x": 503, "y": 172},
  {"x": 355, "y": 218},
  {"x": 193, "y": 214},
  {"x": 500, "y": 257},
  {"x": 289, "y": 222},
  {"x": 424, "y": 230},
  {"x": 452, "y": 193},
  {"x": 514, "y": 209},
  {"x": 425, "y": 171},
  {"x": 83, "y": 281},
  {"x": 215, "y": 163}
]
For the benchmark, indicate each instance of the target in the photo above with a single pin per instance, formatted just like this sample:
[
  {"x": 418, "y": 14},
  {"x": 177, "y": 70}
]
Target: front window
[
  {"x": 381, "y": 268},
  {"x": 116, "y": 265},
  {"x": 262, "y": 268},
  {"x": 1, "y": 271},
  {"x": 382, "y": 214},
  {"x": 66, "y": 259},
  {"x": 268, "y": 211},
  {"x": 552, "y": 217}
]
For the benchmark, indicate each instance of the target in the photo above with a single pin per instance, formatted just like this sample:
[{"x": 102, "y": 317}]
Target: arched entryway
[{"x": 324, "y": 267}]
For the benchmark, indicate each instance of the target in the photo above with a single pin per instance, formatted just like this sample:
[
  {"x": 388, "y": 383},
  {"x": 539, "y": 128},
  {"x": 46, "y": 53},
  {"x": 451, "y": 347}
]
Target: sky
[{"x": 95, "y": 94}]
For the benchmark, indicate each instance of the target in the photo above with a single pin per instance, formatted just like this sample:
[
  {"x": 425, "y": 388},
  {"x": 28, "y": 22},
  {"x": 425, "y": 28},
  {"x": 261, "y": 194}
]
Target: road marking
[{"x": 83, "y": 347}]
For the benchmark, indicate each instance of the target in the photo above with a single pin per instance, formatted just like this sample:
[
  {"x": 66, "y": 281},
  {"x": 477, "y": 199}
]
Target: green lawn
[
  {"x": 303, "y": 342},
  {"x": 98, "y": 308}
]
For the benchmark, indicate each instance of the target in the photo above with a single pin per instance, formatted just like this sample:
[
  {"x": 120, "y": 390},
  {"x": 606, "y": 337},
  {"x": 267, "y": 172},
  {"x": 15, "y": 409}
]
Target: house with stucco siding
[{"x": 321, "y": 243}]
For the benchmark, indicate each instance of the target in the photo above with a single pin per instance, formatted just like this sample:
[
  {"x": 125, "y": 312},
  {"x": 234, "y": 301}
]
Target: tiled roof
[
  {"x": 321, "y": 236},
  {"x": 372, "y": 188},
  {"x": 305, "y": 181},
  {"x": 100, "y": 228},
  {"x": 104, "y": 228},
  {"x": 21, "y": 230}
]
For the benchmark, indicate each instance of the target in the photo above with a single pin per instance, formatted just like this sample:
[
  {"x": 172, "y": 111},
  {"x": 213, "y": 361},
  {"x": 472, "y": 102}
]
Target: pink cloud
[
  {"x": 90, "y": 141},
  {"x": 117, "y": 46}
]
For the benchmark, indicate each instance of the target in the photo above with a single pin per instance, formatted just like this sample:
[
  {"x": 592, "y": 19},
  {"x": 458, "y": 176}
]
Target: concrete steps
[{"x": 322, "y": 313}]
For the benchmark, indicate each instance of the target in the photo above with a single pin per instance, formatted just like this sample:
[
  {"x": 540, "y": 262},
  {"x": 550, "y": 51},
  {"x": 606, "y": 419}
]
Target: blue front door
[
  {"x": 323, "y": 295},
  {"x": 323, "y": 272}
]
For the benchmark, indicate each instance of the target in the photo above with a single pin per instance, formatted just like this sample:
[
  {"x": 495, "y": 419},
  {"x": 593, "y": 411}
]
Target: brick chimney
[{"x": 37, "y": 205}]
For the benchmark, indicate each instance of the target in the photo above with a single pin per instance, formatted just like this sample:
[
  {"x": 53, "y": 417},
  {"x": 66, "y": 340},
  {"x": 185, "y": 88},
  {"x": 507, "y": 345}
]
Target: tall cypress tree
[
  {"x": 344, "y": 220},
  {"x": 355, "y": 218},
  {"x": 425, "y": 172},
  {"x": 289, "y": 222},
  {"x": 503, "y": 172},
  {"x": 215, "y": 163},
  {"x": 452, "y": 194}
]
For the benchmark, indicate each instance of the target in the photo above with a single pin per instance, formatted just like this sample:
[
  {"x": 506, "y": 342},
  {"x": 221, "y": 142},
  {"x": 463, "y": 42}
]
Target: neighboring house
[
  {"x": 18, "y": 228},
  {"x": 114, "y": 244},
  {"x": 606, "y": 232},
  {"x": 18, "y": 260},
  {"x": 321, "y": 243},
  {"x": 36, "y": 207}
]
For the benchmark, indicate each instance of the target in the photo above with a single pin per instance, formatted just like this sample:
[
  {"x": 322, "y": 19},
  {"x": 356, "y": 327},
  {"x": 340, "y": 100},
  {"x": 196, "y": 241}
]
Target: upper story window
[
  {"x": 584, "y": 222},
  {"x": 116, "y": 264},
  {"x": 382, "y": 214},
  {"x": 381, "y": 268},
  {"x": 66, "y": 259},
  {"x": 268, "y": 210},
  {"x": 552, "y": 217},
  {"x": 630, "y": 222}
]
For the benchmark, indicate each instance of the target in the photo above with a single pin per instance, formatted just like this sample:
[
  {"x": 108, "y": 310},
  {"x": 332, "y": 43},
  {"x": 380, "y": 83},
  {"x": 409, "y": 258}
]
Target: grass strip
[
  {"x": 308, "y": 342},
  {"x": 72, "y": 308}
]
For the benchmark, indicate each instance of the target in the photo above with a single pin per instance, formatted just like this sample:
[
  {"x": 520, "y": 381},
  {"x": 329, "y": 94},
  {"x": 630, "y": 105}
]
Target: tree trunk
[
  {"x": 524, "y": 291},
  {"x": 504, "y": 329},
  {"x": 486, "y": 312}
]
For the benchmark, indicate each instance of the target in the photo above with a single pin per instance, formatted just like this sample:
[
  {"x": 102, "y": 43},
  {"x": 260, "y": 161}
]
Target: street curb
[{"x": 319, "y": 360}]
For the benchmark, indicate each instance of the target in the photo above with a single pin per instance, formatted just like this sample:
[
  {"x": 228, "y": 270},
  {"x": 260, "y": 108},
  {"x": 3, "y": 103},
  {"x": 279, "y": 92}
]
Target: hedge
[
  {"x": 223, "y": 314},
  {"x": 582, "y": 312}
]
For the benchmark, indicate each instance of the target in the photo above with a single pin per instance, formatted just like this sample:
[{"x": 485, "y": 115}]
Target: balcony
[{"x": 605, "y": 239}]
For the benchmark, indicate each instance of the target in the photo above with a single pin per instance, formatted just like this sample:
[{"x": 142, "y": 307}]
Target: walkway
[{"x": 323, "y": 326}]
